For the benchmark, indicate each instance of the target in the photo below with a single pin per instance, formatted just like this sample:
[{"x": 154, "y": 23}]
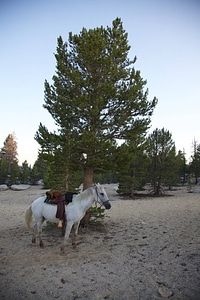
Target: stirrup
[{"x": 60, "y": 224}]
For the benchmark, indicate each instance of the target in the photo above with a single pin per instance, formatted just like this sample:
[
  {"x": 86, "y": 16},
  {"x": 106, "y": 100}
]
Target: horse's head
[{"x": 101, "y": 196}]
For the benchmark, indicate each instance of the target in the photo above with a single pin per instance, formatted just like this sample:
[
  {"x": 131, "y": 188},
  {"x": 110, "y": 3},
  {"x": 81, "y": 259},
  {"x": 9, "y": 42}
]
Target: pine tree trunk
[
  {"x": 87, "y": 182},
  {"x": 88, "y": 178},
  {"x": 66, "y": 179}
]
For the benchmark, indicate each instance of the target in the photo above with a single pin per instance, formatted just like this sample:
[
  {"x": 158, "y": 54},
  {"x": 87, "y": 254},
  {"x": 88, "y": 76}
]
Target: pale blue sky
[{"x": 163, "y": 34}]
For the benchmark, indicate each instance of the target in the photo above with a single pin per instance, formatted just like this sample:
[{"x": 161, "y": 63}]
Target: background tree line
[
  {"x": 102, "y": 114},
  {"x": 155, "y": 162}
]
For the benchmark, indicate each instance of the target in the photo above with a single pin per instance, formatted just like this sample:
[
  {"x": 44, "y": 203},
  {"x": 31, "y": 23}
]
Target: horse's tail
[{"x": 28, "y": 217}]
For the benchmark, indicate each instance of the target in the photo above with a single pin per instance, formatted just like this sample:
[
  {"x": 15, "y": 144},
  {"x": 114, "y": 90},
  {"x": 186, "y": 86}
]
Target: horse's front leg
[
  {"x": 76, "y": 226},
  {"x": 67, "y": 233}
]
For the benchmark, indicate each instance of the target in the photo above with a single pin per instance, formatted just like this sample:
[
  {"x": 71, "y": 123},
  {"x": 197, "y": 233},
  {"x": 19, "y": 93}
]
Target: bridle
[{"x": 101, "y": 202}]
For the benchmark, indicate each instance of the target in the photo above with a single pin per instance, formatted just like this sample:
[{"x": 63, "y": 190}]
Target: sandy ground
[{"x": 149, "y": 248}]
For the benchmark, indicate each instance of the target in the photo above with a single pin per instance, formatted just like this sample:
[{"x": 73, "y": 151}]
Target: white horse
[{"x": 74, "y": 211}]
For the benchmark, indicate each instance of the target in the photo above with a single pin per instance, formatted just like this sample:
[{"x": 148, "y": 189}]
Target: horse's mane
[{"x": 82, "y": 194}]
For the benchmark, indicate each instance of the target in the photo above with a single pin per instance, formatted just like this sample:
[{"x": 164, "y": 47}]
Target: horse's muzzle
[{"x": 107, "y": 205}]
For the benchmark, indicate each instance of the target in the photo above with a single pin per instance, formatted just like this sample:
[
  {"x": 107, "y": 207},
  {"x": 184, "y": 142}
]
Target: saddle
[{"x": 55, "y": 197}]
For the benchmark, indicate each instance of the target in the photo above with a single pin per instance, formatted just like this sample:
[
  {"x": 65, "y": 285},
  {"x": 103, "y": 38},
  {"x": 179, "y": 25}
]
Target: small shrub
[{"x": 97, "y": 214}]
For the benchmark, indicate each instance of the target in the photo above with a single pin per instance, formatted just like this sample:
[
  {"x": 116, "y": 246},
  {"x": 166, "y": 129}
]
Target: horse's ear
[{"x": 96, "y": 184}]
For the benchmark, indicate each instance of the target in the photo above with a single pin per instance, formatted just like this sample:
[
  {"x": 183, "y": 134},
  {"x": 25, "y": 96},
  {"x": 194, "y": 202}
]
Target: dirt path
[{"x": 148, "y": 249}]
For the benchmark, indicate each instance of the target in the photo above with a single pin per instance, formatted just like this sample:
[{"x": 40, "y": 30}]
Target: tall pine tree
[
  {"x": 96, "y": 97},
  {"x": 9, "y": 162}
]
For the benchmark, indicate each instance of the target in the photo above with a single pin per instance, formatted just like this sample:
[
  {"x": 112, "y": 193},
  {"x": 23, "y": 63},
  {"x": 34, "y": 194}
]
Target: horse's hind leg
[
  {"x": 40, "y": 236},
  {"x": 34, "y": 234},
  {"x": 38, "y": 227},
  {"x": 40, "y": 232}
]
